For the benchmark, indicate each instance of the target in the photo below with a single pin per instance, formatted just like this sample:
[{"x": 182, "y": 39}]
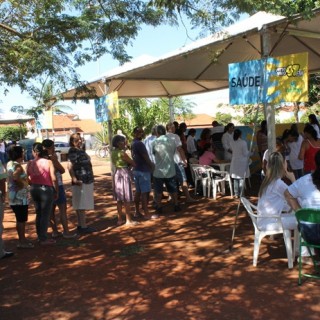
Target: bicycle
[{"x": 103, "y": 151}]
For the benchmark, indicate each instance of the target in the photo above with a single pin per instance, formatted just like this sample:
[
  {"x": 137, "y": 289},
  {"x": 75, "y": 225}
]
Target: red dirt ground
[{"x": 178, "y": 267}]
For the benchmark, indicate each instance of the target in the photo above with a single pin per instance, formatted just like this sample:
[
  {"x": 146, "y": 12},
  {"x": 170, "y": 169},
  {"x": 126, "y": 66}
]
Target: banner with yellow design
[
  {"x": 272, "y": 80},
  {"x": 113, "y": 105},
  {"x": 287, "y": 78}
]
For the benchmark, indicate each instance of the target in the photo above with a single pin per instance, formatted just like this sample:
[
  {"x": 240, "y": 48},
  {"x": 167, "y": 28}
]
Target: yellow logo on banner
[
  {"x": 287, "y": 78},
  {"x": 113, "y": 105}
]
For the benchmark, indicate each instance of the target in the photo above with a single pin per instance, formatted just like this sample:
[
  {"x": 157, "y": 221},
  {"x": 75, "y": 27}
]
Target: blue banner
[
  {"x": 101, "y": 108},
  {"x": 246, "y": 82},
  {"x": 285, "y": 79}
]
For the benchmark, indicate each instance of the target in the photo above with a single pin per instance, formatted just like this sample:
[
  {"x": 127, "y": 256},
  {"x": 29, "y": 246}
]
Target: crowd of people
[
  {"x": 291, "y": 179},
  {"x": 41, "y": 180},
  {"x": 157, "y": 163}
]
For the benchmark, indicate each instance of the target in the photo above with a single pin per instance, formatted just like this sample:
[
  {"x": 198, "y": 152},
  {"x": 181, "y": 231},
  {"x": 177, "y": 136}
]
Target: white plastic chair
[
  {"x": 259, "y": 234},
  {"x": 219, "y": 179},
  {"x": 197, "y": 171}
]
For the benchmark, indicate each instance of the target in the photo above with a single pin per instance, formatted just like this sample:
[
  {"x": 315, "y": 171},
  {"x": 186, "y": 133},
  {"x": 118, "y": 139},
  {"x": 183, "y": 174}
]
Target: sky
[{"x": 150, "y": 41}]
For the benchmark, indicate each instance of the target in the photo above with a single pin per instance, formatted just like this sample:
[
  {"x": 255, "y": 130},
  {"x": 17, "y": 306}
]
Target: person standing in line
[
  {"x": 122, "y": 179},
  {"x": 239, "y": 167},
  {"x": 192, "y": 150},
  {"x": 294, "y": 142},
  {"x": 180, "y": 161},
  {"x": 18, "y": 193},
  {"x": 148, "y": 143},
  {"x": 3, "y": 175},
  {"x": 82, "y": 180},
  {"x": 181, "y": 133},
  {"x": 262, "y": 138},
  {"x": 164, "y": 149},
  {"x": 309, "y": 147},
  {"x": 315, "y": 123},
  {"x": 3, "y": 152},
  {"x": 141, "y": 173},
  {"x": 217, "y": 132},
  {"x": 61, "y": 202},
  {"x": 43, "y": 190},
  {"x": 227, "y": 139}
]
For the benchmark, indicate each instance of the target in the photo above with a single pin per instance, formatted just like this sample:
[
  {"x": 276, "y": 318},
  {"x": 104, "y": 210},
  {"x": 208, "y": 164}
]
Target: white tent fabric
[
  {"x": 203, "y": 65},
  {"x": 12, "y": 117}
]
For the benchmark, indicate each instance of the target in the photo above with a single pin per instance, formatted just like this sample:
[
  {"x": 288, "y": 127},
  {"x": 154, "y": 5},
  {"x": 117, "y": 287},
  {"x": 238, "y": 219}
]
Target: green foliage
[
  {"x": 45, "y": 99},
  {"x": 289, "y": 120},
  {"x": 12, "y": 133},
  {"x": 249, "y": 114},
  {"x": 223, "y": 118},
  {"x": 101, "y": 137},
  {"x": 313, "y": 109},
  {"x": 314, "y": 89},
  {"x": 146, "y": 114},
  {"x": 49, "y": 39}
]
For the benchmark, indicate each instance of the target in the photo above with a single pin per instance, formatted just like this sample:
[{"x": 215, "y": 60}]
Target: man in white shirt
[
  {"x": 148, "y": 143},
  {"x": 180, "y": 161}
]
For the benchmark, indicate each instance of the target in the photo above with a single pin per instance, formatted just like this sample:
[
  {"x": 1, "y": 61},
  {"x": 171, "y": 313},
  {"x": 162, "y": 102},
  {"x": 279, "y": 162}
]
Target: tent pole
[
  {"x": 269, "y": 113},
  {"x": 171, "y": 109},
  {"x": 269, "y": 110},
  {"x": 244, "y": 178}
]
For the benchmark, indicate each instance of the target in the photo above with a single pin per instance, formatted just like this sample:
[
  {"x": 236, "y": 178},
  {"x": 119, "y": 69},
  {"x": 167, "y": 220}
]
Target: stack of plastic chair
[
  {"x": 259, "y": 234},
  {"x": 309, "y": 227}
]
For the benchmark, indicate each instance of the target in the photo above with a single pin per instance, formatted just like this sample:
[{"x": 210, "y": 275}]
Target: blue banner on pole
[
  {"x": 246, "y": 82},
  {"x": 101, "y": 108}
]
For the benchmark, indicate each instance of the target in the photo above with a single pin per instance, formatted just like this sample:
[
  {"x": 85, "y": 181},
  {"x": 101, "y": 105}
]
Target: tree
[
  {"x": 223, "y": 118},
  {"x": 250, "y": 114},
  {"x": 50, "y": 38},
  {"x": 45, "y": 98},
  {"x": 314, "y": 89},
  {"x": 146, "y": 114}
]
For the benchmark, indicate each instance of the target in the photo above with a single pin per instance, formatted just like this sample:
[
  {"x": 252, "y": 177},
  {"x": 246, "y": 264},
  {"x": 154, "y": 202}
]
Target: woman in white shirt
[
  {"x": 271, "y": 196},
  {"x": 226, "y": 140},
  {"x": 239, "y": 167}
]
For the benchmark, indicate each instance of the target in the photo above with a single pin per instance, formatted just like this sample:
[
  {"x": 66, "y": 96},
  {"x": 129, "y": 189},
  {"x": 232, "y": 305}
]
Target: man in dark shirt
[{"x": 142, "y": 173}]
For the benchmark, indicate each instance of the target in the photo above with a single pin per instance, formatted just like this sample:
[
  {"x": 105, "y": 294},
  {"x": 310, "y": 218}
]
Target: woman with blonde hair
[{"x": 271, "y": 196}]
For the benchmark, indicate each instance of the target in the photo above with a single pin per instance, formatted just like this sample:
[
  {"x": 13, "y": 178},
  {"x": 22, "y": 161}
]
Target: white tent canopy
[
  {"x": 12, "y": 117},
  {"x": 203, "y": 65}
]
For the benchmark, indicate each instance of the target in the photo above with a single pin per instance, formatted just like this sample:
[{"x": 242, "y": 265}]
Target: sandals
[{"x": 25, "y": 245}]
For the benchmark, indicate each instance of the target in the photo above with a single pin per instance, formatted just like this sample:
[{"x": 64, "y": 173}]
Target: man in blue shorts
[{"x": 141, "y": 173}]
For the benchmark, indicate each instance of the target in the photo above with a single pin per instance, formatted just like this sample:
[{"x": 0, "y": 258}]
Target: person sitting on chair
[
  {"x": 271, "y": 196},
  {"x": 305, "y": 193}
]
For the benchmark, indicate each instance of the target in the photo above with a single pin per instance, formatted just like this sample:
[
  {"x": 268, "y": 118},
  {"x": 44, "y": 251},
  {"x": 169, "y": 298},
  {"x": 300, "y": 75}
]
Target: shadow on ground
[{"x": 178, "y": 267}]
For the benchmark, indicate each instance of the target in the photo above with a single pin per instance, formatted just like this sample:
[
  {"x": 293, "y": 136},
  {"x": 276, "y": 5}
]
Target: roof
[
  {"x": 200, "y": 120},
  {"x": 71, "y": 121},
  {"x": 202, "y": 66}
]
